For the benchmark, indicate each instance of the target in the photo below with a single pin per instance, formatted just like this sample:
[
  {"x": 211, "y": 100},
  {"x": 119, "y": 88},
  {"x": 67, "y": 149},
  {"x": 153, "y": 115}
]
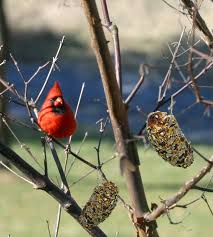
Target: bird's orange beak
[{"x": 58, "y": 102}]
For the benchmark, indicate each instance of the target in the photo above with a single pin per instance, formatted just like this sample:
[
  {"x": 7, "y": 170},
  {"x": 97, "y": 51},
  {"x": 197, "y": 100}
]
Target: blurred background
[
  {"x": 146, "y": 28},
  {"x": 32, "y": 32}
]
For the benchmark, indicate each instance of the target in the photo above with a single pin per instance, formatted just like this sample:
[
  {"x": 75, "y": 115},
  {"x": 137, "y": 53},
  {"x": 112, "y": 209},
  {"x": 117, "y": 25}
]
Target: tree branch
[
  {"x": 116, "y": 42},
  {"x": 128, "y": 154},
  {"x": 199, "y": 22},
  {"x": 43, "y": 183},
  {"x": 179, "y": 194}
]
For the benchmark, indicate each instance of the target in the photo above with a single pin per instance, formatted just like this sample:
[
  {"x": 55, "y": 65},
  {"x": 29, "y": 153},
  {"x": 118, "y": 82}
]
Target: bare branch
[
  {"x": 77, "y": 107},
  {"x": 22, "y": 145},
  {"x": 58, "y": 164},
  {"x": 203, "y": 189},
  {"x": 78, "y": 151},
  {"x": 3, "y": 62},
  {"x": 6, "y": 89},
  {"x": 54, "y": 60},
  {"x": 58, "y": 221},
  {"x": 17, "y": 67},
  {"x": 37, "y": 71},
  {"x": 128, "y": 154},
  {"x": 12, "y": 171},
  {"x": 178, "y": 92},
  {"x": 19, "y": 122},
  {"x": 48, "y": 228},
  {"x": 74, "y": 154},
  {"x": 207, "y": 203},
  {"x": 174, "y": 8},
  {"x": 203, "y": 55},
  {"x": 199, "y": 22},
  {"x": 164, "y": 86},
  {"x": 180, "y": 194},
  {"x": 11, "y": 89},
  {"x": 137, "y": 86},
  {"x": 101, "y": 131},
  {"x": 43, "y": 183},
  {"x": 201, "y": 155},
  {"x": 116, "y": 42}
]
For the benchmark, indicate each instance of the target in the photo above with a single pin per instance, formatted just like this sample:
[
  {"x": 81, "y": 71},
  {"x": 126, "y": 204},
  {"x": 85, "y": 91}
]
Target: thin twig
[
  {"x": 199, "y": 22},
  {"x": 2, "y": 63},
  {"x": 207, "y": 203},
  {"x": 78, "y": 151},
  {"x": 174, "y": 8},
  {"x": 203, "y": 189},
  {"x": 91, "y": 171},
  {"x": 37, "y": 71},
  {"x": 12, "y": 171},
  {"x": 178, "y": 92},
  {"x": 77, "y": 107},
  {"x": 48, "y": 228},
  {"x": 22, "y": 145},
  {"x": 164, "y": 86},
  {"x": 201, "y": 155},
  {"x": 74, "y": 154},
  {"x": 101, "y": 131},
  {"x": 203, "y": 55},
  {"x": 19, "y": 122},
  {"x": 58, "y": 219},
  {"x": 170, "y": 219},
  {"x": 184, "y": 205},
  {"x": 17, "y": 67},
  {"x": 137, "y": 86},
  {"x": 42, "y": 183},
  {"x": 6, "y": 89},
  {"x": 11, "y": 89},
  {"x": 43, "y": 142},
  {"x": 26, "y": 83},
  {"x": 54, "y": 60},
  {"x": 9, "y": 99},
  {"x": 82, "y": 177},
  {"x": 58, "y": 164},
  {"x": 180, "y": 194},
  {"x": 188, "y": 49}
]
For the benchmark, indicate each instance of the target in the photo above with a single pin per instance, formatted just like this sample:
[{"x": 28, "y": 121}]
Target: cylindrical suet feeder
[
  {"x": 168, "y": 140},
  {"x": 100, "y": 205}
]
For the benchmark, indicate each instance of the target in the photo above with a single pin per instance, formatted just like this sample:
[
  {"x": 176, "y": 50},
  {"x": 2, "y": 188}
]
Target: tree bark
[
  {"x": 127, "y": 151},
  {"x": 4, "y": 41}
]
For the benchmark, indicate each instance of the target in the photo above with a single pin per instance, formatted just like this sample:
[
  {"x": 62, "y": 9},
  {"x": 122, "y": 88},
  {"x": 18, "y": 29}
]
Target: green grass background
[{"x": 24, "y": 211}]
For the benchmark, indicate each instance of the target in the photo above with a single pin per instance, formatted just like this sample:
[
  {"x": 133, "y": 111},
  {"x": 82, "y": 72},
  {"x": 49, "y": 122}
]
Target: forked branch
[
  {"x": 170, "y": 202},
  {"x": 43, "y": 183},
  {"x": 128, "y": 154},
  {"x": 199, "y": 21}
]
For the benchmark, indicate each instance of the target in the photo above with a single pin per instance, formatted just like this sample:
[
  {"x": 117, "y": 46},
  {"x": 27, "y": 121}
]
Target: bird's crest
[{"x": 55, "y": 91}]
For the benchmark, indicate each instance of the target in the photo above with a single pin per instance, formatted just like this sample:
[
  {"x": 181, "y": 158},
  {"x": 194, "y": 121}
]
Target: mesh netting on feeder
[
  {"x": 100, "y": 205},
  {"x": 168, "y": 140}
]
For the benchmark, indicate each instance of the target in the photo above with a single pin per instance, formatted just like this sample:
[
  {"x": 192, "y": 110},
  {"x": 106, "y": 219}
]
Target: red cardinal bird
[{"x": 56, "y": 117}]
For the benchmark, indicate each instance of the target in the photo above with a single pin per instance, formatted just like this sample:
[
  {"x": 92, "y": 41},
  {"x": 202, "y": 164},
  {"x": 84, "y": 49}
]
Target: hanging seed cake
[
  {"x": 100, "y": 205},
  {"x": 168, "y": 140}
]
